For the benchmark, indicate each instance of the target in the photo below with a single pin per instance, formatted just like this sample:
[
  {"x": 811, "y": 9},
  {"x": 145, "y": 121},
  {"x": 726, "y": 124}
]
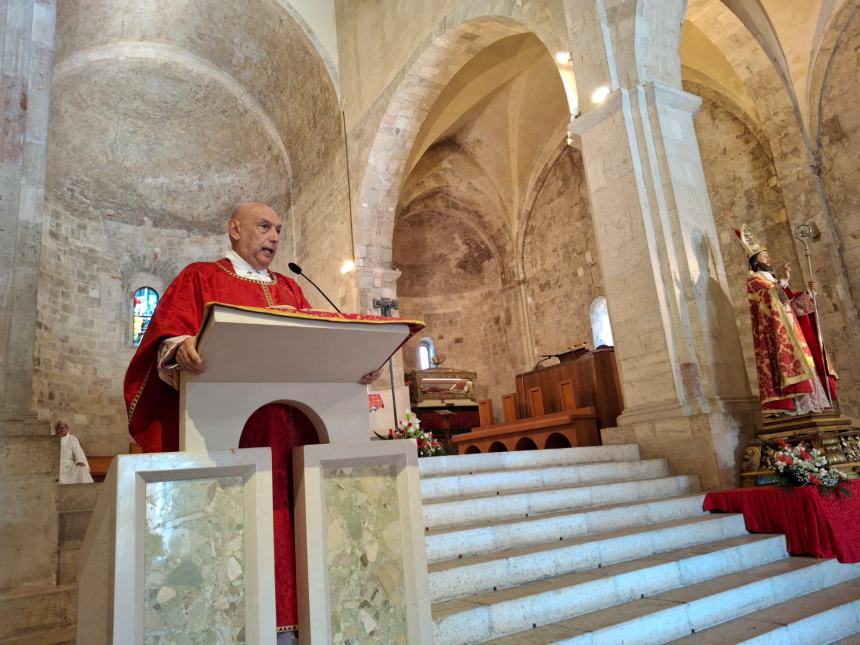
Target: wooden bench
[{"x": 565, "y": 429}]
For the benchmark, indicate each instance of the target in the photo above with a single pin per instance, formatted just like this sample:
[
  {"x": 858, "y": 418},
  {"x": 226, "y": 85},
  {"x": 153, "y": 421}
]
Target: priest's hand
[
  {"x": 187, "y": 357},
  {"x": 370, "y": 377},
  {"x": 786, "y": 270}
]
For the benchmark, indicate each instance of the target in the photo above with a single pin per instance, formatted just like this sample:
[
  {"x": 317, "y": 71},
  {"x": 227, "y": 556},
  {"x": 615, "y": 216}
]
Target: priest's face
[
  {"x": 255, "y": 230},
  {"x": 62, "y": 428}
]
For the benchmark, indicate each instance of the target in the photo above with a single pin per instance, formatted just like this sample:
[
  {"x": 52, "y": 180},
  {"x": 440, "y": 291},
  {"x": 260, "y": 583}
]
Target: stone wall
[
  {"x": 90, "y": 270},
  {"x": 840, "y": 159},
  {"x": 743, "y": 187},
  {"x": 163, "y": 118},
  {"x": 451, "y": 280},
  {"x": 561, "y": 272}
]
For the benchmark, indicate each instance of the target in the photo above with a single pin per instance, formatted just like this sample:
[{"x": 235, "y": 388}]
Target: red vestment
[
  {"x": 784, "y": 362},
  {"x": 807, "y": 317},
  {"x": 153, "y": 405}
]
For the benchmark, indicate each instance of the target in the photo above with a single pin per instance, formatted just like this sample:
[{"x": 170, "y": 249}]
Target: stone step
[
  {"x": 484, "y": 462},
  {"x": 27, "y": 613},
  {"x": 667, "y": 616},
  {"x": 497, "y": 482},
  {"x": 533, "y": 606},
  {"x": 473, "y": 512},
  {"x": 447, "y": 544},
  {"x": 823, "y": 616},
  {"x": 468, "y": 576}
]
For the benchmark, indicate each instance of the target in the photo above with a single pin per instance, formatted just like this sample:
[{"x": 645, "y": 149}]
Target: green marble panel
[
  {"x": 365, "y": 555},
  {"x": 194, "y": 563}
]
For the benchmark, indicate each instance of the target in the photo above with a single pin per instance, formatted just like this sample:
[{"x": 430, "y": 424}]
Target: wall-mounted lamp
[
  {"x": 347, "y": 267},
  {"x": 600, "y": 94}
]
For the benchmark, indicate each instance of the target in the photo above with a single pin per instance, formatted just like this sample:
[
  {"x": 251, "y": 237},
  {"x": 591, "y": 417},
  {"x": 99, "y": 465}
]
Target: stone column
[
  {"x": 28, "y": 454},
  {"x": 686, "y": 393},
  {"x": 25, "y": 83}
]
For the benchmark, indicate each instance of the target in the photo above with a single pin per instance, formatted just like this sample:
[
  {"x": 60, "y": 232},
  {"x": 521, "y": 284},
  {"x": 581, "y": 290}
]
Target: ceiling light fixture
[
  {"x": 563, "y": 58},
  {"x": 600, "y": 94}
]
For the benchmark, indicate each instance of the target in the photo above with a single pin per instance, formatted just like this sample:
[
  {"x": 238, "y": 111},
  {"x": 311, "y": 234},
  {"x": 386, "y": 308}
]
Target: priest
[
  {"x": 789, "y": 361},
  {"x": 169, "y": 346}
]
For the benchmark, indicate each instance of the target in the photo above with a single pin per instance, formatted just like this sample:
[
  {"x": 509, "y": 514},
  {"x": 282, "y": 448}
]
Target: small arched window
[
  {"x": 426, "y": 352},
  {"x": 144, "y": 302},
  {"x": 601, "y": 331}
]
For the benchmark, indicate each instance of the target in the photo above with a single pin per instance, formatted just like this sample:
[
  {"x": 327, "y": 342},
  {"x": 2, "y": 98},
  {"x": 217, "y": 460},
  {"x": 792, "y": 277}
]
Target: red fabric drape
[{"x": 821, "y": 525}]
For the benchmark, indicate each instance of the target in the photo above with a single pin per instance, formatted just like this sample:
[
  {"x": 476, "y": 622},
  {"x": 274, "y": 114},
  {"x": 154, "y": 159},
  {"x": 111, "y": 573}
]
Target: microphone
[{"x": 295, "y": 268}]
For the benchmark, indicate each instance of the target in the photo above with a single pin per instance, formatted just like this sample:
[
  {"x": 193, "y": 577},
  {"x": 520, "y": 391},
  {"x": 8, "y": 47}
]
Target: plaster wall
[{"x": 561, "y": 273}]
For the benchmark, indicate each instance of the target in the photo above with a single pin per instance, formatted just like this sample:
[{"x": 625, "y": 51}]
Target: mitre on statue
[{"x": 749, "y": 241}]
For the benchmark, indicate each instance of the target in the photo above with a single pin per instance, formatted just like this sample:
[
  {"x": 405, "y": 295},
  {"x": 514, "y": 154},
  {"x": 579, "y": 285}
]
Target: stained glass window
[{"x": 145, "y": 301}]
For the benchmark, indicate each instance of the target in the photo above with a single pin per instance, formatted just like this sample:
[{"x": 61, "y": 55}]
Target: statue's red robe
[
  {"x": 784, "y": 361},
  {"x": 153, "y": 405}
]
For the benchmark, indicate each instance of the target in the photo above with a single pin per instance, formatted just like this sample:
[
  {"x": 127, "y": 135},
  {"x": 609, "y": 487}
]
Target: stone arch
[
  {"x": 465, "y": 31},
  {"x": 830, "y": 42}
]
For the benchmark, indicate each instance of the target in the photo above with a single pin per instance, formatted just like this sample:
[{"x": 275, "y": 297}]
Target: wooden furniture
[
  {"x": 485, "y": 412},
  {"x": 588, "y": 381},
  {"x": 509, "y": 405},
  {"x": 557, "y": 430}
]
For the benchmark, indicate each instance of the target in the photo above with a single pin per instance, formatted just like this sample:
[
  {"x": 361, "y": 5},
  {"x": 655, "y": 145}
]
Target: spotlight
[
  {"x": 600, "y": 94},
  {"x": 563, "y": 58},
  {"x": 347, "y": 267}
]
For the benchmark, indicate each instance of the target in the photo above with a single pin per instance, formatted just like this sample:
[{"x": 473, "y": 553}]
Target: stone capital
[
  {"x": 659, "y": 93},
  {"x": 581, "y": 125}
]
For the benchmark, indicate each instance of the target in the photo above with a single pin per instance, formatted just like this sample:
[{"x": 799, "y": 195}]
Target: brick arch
[
  {"x": 498, "y": 446},
  {"x": 469, "y": 28}
]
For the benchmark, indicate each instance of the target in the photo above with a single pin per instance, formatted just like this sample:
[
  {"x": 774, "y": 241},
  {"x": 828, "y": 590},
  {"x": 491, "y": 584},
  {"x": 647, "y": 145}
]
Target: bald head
[{"x": 255, "y": 230}]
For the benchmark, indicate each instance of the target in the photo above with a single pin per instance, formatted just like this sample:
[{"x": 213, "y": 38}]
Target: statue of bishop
[{"x": 790, "y": 361}]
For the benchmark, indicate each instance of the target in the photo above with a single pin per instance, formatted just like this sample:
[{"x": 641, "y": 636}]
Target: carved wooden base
[{"x": 835, "y": 435}]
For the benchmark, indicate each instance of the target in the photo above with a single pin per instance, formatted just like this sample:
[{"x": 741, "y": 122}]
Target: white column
[{"x": 686, "y": 393}]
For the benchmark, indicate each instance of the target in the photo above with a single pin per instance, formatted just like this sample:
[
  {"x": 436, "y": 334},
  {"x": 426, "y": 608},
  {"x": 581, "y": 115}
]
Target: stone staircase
[
  {"x": 594, "y": 545},
  {"x": 579, "y": 545}
]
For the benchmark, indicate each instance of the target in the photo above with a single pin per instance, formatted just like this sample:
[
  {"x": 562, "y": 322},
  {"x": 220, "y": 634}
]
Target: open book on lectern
[{"x": 254, "y": 345}]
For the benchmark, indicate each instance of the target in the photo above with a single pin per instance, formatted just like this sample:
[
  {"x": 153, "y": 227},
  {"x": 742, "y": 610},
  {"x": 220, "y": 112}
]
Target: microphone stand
[
  {"x": 805, "y": 232},
  {"x": 386, "y": 306}
]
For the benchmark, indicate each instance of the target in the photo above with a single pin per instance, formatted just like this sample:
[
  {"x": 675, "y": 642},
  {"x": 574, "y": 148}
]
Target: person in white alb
[{"x": 74, "y": 468}]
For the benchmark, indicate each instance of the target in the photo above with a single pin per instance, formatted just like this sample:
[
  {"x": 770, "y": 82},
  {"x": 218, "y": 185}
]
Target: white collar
[{"x": 241, "y": 267}]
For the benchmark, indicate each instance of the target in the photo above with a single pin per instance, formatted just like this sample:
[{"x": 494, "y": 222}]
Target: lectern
[{"x": 358, "y": 519}]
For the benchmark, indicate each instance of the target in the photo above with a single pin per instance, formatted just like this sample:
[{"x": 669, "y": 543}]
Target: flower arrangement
[
  {"x": 799, "y": 466},
  {"x": 410, "y": 428}
]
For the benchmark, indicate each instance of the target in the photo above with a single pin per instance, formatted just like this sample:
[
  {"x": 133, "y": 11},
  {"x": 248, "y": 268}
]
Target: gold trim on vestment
[
  {"x": 298, "y": 314},
  {"x": 138, "y": 394},
  {"x": 241, "y": 277}
]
